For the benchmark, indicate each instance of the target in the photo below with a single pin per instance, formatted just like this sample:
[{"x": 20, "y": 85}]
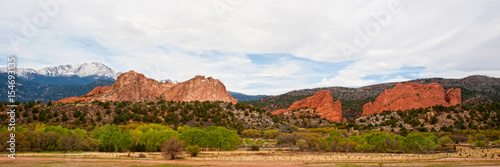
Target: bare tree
[
  {"x": 70, "y": 143},
  {"x": 172, "y": 148}
]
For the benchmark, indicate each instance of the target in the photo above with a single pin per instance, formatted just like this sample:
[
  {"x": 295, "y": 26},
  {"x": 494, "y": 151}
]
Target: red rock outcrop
[
  {"x": 199, "y": 88},
  {"x": 132, "y": 86},
  {"x": 322, "y": 102},
  {"x": 86, "y": 97},
  {"x": 73, "y": 99},
  {"x": 454, "y": 96},
  {"x": 406, "y": 96},
  {"x": 97, "y": 90}
]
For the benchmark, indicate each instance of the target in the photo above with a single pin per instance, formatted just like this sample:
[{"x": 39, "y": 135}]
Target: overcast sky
[{"x": 260, "y": 46}]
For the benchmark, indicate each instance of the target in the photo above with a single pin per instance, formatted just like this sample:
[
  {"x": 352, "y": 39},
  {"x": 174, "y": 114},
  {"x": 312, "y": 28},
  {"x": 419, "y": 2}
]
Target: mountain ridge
[
  {"x": 93, "y": 69},
  {"x": 244, "y": 97},
  {"x": 474, "y": 88},
  {"x": 32, "y": 91}
]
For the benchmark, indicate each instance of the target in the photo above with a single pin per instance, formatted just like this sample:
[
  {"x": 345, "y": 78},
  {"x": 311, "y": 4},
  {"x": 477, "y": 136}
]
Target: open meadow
[{"x": 478, "y": 157}]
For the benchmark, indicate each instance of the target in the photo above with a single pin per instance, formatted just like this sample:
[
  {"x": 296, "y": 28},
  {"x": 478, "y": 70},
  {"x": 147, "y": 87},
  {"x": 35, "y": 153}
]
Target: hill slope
[
  {"x": 244, "y": 97},
  {"x": 475, "y": 89}
]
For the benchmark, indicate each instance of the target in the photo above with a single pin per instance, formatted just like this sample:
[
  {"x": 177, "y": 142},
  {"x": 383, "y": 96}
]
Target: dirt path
[
  {"x": 90, "y": 162},
  {"x": 28, "y": 161}
]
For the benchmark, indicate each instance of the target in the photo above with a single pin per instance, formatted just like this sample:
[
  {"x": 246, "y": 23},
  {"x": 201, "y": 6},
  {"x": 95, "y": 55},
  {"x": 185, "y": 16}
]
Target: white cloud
[
  {"x": 397, "y": 79},
  {"x": 180, "y": 39}
]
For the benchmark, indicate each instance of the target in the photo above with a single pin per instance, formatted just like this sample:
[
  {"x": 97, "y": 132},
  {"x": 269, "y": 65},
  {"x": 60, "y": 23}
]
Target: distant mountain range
[
  {"x": 33, "y": 91},
  {"x": 244, "y": 97},
  {"x": 82, "y": 74},
  {"x": 54, "y": 83}
]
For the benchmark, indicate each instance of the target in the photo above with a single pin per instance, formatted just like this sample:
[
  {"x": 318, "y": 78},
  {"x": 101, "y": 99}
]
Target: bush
[
  {"x": 251, "y": 133},
  {"x": 249, "y": 141},
  {"x": 445, "y": 141},
  {"x": 481, "y": 143},
  {"x": 172, "y": 148},
  {"x": 255, "y": 148},
  {"x": 193, "y": 150},
  {"x": 141, "y": 155},
  {"x": 302, "y": 144}
]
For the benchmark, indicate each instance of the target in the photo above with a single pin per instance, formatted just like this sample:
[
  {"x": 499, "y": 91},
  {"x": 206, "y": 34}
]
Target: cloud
[{"x": 263, "y": 47}]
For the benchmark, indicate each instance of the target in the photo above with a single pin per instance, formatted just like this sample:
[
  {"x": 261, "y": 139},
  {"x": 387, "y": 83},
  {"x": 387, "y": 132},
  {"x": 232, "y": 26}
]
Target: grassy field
[
  {"x": 464, "y": 157},
  {"x": 243, "y": 155},
  {"x": 56, "y": 162}
]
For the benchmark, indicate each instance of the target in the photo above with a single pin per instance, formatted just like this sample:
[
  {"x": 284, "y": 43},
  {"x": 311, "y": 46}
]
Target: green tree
[
  {"x": 64, "y": 117},
  {"x": 193, "y": 150},
  {"x": 58, "y": 129},
  {"x": 154, "y": 138},
  {"x": 445, "y": 141},
  {"x": 111, "y": 137},
  {"x": 418, "y": 143},
  {"x": 194, "y": 136},
  {"x": 222, "y": 138}
]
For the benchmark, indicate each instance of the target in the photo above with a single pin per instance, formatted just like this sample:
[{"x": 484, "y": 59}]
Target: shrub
[
  {"x": 251, "y": 133},
  {"x": 481, "y": 143},
  {"x": 249, "y": 141},
  {"x": 193, "y": 150},
  {"x": 141, "y": 155},
  {"x": 302, "y": 144},
  {"x": 445, "y": 141},
  {"x": 255, "y": 148}
]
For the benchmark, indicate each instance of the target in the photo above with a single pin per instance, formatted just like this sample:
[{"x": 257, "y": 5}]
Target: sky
[{"x": 260, "y": 46}]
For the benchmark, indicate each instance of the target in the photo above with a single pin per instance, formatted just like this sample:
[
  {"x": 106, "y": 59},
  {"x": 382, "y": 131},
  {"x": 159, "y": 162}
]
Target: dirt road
[
  {"x": 31, "y": 162},
  {"x": 25, "y": 161}
]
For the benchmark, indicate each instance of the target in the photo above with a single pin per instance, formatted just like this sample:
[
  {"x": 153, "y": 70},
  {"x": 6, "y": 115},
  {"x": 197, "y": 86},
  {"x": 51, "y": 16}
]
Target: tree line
[{"x": 118, "y": 138}]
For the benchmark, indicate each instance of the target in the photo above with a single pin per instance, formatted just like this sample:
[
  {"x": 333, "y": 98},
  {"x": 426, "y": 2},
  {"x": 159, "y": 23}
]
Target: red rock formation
[
  {"x": 406, "y": 96},
  {"x": 322, "y": 102},
  {"x": 199, "y": 88},
  {"x": 132, "y": 86},
  {"x": 97, "y": 90},
  {"x": 73, "y": 99},
  {"x": 454, "y": 96},
  {"x": 86, "y": 97}
]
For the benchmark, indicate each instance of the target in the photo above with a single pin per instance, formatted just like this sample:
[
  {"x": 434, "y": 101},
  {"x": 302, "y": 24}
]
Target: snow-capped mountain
[{"x": 93, "y": 69}]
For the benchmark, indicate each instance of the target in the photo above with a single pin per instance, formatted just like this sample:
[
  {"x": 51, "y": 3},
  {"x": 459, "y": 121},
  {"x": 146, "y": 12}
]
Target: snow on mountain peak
[{"x": 81, "y": 70}]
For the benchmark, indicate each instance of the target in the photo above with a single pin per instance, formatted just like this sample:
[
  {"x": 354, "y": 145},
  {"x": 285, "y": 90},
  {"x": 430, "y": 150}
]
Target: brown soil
[{"x": 24, "y": 161}]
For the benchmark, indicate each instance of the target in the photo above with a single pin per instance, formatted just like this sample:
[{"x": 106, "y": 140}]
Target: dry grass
[
  {"x": 254, "y": 158},
  {"x": 282, "y": 156}
]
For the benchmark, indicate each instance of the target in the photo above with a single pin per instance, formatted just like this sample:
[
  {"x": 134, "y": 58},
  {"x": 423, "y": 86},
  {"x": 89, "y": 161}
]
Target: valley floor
[{"x": 246, "y": 158}]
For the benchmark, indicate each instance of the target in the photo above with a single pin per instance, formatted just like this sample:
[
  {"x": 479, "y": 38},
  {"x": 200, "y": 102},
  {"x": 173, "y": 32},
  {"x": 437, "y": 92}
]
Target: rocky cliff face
[
  {"x": 322, "y": 102},
  {"x": 454, "y": 96},
  {"x": 132, "y": 86},
  {"x": 199, "y": 88},
  {"x": 405, "y": 96}
]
